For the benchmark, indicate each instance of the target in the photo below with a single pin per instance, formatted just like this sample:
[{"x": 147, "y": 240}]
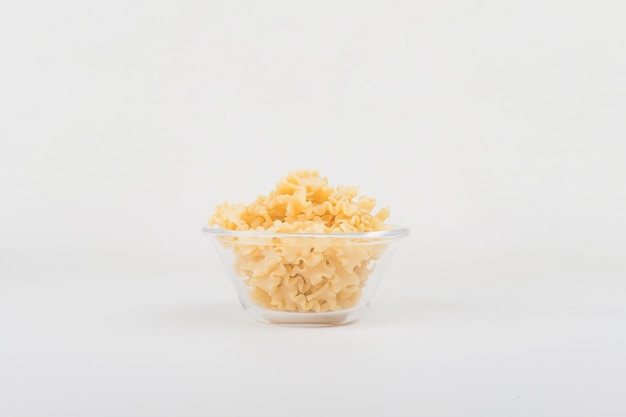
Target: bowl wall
[{"x": 306, "y": 279}]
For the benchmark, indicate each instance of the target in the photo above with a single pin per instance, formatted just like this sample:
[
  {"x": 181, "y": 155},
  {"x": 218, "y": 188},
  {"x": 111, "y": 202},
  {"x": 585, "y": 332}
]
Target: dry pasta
[{"x": 304, "y": 274}]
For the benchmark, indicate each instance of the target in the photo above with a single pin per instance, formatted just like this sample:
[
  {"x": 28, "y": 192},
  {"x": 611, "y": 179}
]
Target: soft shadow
[
  {"x": 226, "y": 316},
  {"x": 210, "y": 315},
  {"x": 416, "y": 310}
]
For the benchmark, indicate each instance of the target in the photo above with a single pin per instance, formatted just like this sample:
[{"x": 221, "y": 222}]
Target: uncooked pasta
[{"x": 304, "y": 274}]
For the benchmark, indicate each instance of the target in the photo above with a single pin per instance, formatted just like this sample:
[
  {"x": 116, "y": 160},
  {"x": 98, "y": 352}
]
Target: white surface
[{"x": 494, "y": 131}]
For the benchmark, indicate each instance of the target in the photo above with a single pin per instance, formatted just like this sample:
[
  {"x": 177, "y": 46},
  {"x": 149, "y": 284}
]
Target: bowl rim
[{"x": 395, "y": 232}]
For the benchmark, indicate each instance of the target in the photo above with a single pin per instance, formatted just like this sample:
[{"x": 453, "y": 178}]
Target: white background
[{"x": 496, "y": 131}]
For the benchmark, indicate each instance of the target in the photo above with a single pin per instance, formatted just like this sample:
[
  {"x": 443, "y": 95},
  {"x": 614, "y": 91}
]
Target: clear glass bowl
[{"x": 305, "y": 278}]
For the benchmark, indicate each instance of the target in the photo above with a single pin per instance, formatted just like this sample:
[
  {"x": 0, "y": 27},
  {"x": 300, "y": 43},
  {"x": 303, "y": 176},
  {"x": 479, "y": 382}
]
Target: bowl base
[{"x": 332, "y": 318}]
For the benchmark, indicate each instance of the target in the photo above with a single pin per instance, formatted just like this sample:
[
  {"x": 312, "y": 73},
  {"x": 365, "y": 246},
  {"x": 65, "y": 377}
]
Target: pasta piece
[{"x": 304, "y": 274}]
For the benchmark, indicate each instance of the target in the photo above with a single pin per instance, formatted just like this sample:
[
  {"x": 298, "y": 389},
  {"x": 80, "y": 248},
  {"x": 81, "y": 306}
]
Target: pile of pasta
[{"x": 304, "y": 274}]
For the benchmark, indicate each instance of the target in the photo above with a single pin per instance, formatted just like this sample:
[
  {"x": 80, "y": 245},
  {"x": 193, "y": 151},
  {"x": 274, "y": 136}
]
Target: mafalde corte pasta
[{"x": 300, "y": 274}]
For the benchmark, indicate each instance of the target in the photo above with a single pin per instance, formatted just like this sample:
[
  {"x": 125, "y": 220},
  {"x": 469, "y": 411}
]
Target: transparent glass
[{"x": 305, "y": 278}]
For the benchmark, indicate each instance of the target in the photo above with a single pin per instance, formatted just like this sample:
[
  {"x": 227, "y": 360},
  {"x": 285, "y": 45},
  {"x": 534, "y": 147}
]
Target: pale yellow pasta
[{"x": 304, "y": 274}]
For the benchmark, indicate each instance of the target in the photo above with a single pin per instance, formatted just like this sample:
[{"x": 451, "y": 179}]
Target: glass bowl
[{"x": 305, "y": 278}]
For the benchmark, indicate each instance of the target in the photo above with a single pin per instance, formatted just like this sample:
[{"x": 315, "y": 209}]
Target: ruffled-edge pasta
[{"x": 300, "y": 274}]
